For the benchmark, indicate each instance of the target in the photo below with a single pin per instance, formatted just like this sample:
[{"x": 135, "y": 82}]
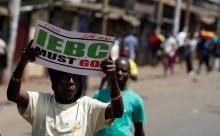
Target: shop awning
[
  {"x": 112, "y": 12},
  {"x": 144, "y": 8}
]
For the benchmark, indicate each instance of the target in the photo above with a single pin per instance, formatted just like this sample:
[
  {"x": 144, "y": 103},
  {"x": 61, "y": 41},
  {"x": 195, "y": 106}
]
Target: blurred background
[{"x": 174, "y": 39}]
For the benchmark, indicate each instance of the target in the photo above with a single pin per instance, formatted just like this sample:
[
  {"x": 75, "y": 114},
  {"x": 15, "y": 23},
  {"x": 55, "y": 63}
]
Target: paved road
[{"x": 176, "y": 105}]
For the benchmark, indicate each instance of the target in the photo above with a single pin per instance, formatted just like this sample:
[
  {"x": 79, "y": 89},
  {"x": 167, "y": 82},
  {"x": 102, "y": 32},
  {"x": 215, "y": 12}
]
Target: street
[{"x": 175, "y": 105}]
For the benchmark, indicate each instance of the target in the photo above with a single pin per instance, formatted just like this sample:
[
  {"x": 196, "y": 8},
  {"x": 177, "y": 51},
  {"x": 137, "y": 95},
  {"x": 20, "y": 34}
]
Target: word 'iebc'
[{"x": 72, "y": 48}]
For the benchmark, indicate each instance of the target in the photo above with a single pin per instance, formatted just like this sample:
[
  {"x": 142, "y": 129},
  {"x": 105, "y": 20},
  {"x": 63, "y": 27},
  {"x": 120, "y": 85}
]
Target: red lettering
[
  {"x": 101, "y": 38},
  {"x": 54, "y": 29},
  {"x": 95, "y": 36},
  {"x": 84, "y": 36},
  {"x": 92, "y": 36},
  {"x": 107, "y": 38},
  {"x": 84, "y": 63},
  {"x": 87, "y": 63},
  {"x": 94, "y": 63}
]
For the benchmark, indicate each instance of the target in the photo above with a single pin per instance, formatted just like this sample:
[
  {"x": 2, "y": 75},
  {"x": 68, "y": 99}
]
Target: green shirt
[{"x": 134, "y": 112}]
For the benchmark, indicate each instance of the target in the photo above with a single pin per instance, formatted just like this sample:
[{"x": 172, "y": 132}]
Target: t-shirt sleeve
[
  {"x": 29, "y": 113},
  {"x": 96, "y": 94},
  {"x": 139, "y": 115},
  {"x": 97, "y": 114}
]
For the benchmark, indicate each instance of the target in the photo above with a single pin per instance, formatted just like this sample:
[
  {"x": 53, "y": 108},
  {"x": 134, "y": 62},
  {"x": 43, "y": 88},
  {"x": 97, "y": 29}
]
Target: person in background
[
  {"x": 133, "y": 105},
  {"x": 114, "y": 55},
  {"x": 131, "y": 42},
  {"x": 3, "y": 58},
  {"x": 65, "y": 112},
  {"x": 204, "y": 47},
  {"x": 155, "y": 43},
  {"x": 192, "y": 41},
  {"x": 124, "y": 52},
  {"x": 115, "y": 49},
  {"x": 216, "y": 52},
  {"x": 169, "y": 52},
  {"x": 188, "y": 55},
  {"x": 181, "y": 38},
  {"x": 190, "y": 49}
]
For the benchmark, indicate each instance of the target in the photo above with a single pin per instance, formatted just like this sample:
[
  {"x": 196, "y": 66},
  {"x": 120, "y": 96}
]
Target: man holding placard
[{"x": 65, "y": 113}]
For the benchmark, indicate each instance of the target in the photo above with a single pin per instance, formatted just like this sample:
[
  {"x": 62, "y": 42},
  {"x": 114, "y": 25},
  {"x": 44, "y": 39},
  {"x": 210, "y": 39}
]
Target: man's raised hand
[{"x": 29, "y": 53}]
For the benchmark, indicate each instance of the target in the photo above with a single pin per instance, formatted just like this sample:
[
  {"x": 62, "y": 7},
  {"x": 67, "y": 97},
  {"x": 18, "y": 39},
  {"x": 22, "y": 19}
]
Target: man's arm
[
  {"x": 13, "y": 92},
  {"x": 139, "y": 130},
  {"x": 116, "y": 108}
]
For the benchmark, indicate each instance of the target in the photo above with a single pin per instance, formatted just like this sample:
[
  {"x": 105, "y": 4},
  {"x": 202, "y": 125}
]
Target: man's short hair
[{"x": 56, "y": 76}]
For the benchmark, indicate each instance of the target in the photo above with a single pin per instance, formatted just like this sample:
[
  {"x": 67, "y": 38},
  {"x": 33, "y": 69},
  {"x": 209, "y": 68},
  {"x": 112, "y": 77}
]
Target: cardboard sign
[{"x": 72, "y": 52}]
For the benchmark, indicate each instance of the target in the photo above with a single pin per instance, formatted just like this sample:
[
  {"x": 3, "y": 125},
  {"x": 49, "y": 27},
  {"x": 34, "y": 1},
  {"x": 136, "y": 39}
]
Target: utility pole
[
  {"x": 159, "y": 16},
  {"x": 177, "y": 17},
  {"x": 188, "y": 12},
  {"x": 105, "y": 5},
  {"x": 14, "y": 8}
]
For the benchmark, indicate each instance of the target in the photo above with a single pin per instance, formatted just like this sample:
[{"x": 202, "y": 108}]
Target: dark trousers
[
  {"x": 189, "y": 66},
  {"x": 204, "y": 59}
]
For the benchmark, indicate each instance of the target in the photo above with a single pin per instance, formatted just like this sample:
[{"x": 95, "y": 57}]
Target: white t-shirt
[
  {"x": 181, "y": 38},
  {"x": 49, "y": 118},
  {"x": 192, "y": 43}
]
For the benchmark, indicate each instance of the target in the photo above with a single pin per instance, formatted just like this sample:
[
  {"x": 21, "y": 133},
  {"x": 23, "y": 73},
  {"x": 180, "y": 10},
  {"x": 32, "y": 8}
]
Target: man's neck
[{"x": 64, "y": 101}]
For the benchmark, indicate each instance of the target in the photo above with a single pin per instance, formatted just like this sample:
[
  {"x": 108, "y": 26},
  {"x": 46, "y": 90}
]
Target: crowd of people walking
[{"x": 186, "y": 47}]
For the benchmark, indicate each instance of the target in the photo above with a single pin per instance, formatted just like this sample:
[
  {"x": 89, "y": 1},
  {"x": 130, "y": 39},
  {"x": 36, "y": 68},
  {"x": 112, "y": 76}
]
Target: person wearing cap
[{"x": 64, "y": 112}]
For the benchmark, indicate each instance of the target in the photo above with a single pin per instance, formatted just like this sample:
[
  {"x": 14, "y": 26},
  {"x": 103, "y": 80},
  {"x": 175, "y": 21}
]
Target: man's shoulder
[
  {"x": 85, "y": 100},
  {"x": 42, "y": 93},
  {"x": 89, "y": 102},
  {"x": 39, "y": 95},
  {"x": 132, "y": 94},
  {"x": 134, "y": 99}
]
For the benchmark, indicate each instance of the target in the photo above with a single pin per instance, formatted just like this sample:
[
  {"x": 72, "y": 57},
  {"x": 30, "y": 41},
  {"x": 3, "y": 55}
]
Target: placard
[{"x": 72, "y": 52}]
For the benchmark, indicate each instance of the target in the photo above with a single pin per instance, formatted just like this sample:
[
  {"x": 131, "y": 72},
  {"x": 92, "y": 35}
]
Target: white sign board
[{"x": 72, "y": 52}]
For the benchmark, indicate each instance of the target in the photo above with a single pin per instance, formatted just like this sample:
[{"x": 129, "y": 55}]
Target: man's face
[
  {"x": 122, "y": 72},
  {"x": 69, "y": 85}
]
